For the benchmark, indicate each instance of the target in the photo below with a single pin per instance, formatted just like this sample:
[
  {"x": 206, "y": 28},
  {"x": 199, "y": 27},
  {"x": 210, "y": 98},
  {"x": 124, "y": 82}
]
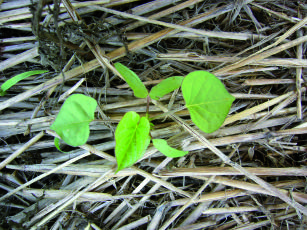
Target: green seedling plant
[
  {"x": 205, "y": 96},
  {"x": 14, "y": 80}
]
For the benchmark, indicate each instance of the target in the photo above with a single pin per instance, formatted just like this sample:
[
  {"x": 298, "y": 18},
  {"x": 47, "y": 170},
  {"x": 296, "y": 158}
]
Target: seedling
[
  {"x": 206, "y": 99},
  {"x": 14, "y": 80}
]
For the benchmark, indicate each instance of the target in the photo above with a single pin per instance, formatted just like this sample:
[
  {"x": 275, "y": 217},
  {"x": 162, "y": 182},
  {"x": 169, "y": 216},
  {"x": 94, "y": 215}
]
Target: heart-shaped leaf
[
  {"x": 72, "y": 122},
  {"x": 166, "y": 86},
  {"x": 132, "y": 139},
  {"x": 133, "y": 80},
  {"x": 168, "y": 151},
  {"x": 207, "y": 100}
]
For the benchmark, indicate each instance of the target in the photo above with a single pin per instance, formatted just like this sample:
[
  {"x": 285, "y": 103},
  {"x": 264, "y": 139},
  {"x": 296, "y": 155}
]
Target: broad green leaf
[
  {"x": 72, "y": 122},
  {"x": 166, "y": 86},
  {"x": 168, "y": 151},
  {"x": 133, "y": 80},
  {"x": 132, "y": 139},
  {"x": 57, "y": 144},
  {"x": 14, "y": 80},
  {"x": 206, "y": 99}
]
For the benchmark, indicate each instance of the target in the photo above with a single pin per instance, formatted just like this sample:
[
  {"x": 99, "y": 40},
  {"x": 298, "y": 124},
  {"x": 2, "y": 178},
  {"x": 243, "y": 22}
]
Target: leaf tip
[{"x": 57, "y": 144}]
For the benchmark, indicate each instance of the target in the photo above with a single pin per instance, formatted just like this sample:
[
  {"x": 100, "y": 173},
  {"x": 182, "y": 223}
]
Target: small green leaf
[
  {"x": 14, "y": 80},
  {"x": 72, "y": 122},
  {"x": 133, "y": 80},
  {"x": 168, "y": 151},
  {"x": 206, "y": 99},
  {"x": 57, "y": 144},
  {"x": 132, "y": 139},
  {"x": 166, "y": 86}
]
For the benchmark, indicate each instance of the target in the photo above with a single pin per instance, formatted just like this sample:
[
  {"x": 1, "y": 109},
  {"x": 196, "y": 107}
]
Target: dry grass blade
[
  {"x": 19, "y": 59},
  {"x": 99, "y": 181},
  {"x": 260, "y": 56},
  {"x": 259, "y": 181},
  {"x": 19, "y": 151},
  {"x": 223, "y": 35},
  {"x": 43, "y": 175},
  {"x": 227, "y": 171},
  {"x": 195, "y": 57}
]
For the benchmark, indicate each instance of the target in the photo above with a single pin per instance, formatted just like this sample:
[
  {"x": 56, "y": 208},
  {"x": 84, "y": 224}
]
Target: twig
[
  {"x": 224, "y": 35},
  {"x": 21, "y": 150},
  {"x": 44, "y": 175}
]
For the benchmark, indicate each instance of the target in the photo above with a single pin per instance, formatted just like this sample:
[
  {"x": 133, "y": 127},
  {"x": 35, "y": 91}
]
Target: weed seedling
[{"x": 14, "y": 80}]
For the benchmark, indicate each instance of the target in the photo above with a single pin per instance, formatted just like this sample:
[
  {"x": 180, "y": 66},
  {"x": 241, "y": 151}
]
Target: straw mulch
[{"x": 249, "y": 174}]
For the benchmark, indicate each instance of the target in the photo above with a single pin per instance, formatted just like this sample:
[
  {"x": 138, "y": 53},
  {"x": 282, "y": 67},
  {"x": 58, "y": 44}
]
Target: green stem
[{"x": 147, "y": 107}]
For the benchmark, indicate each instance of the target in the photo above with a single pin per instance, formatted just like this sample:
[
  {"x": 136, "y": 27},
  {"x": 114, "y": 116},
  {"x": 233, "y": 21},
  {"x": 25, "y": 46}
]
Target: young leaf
[
  {"x": 14, "y": 80},
  {"x": 133, "y": 80},
  {"x": 57, "y": 144},
  {"x": 206, "y": 99},
  {"x": 132, "y": 139},
  {"x": 72, "y": 122},
  {"x": 168, "y": 151},
  {"x": 166, "y": 86}
]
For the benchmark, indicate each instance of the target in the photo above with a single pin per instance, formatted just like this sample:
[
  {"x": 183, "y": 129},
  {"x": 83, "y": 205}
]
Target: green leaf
[
  {"x": 168, "y": 151},
  {"x": 72, "y": 122},
  {"x": 206, "y": 99},
  {"x": 57, "y": 144},
  {"x": 132, "y": 139},
  {"x": 133, "y": 80},
  {"x": 14, "y": 80},
  {"x": 166, "y": 86}
]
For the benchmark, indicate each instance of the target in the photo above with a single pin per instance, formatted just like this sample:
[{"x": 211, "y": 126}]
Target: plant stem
[{"x": 147, "y": 107}]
